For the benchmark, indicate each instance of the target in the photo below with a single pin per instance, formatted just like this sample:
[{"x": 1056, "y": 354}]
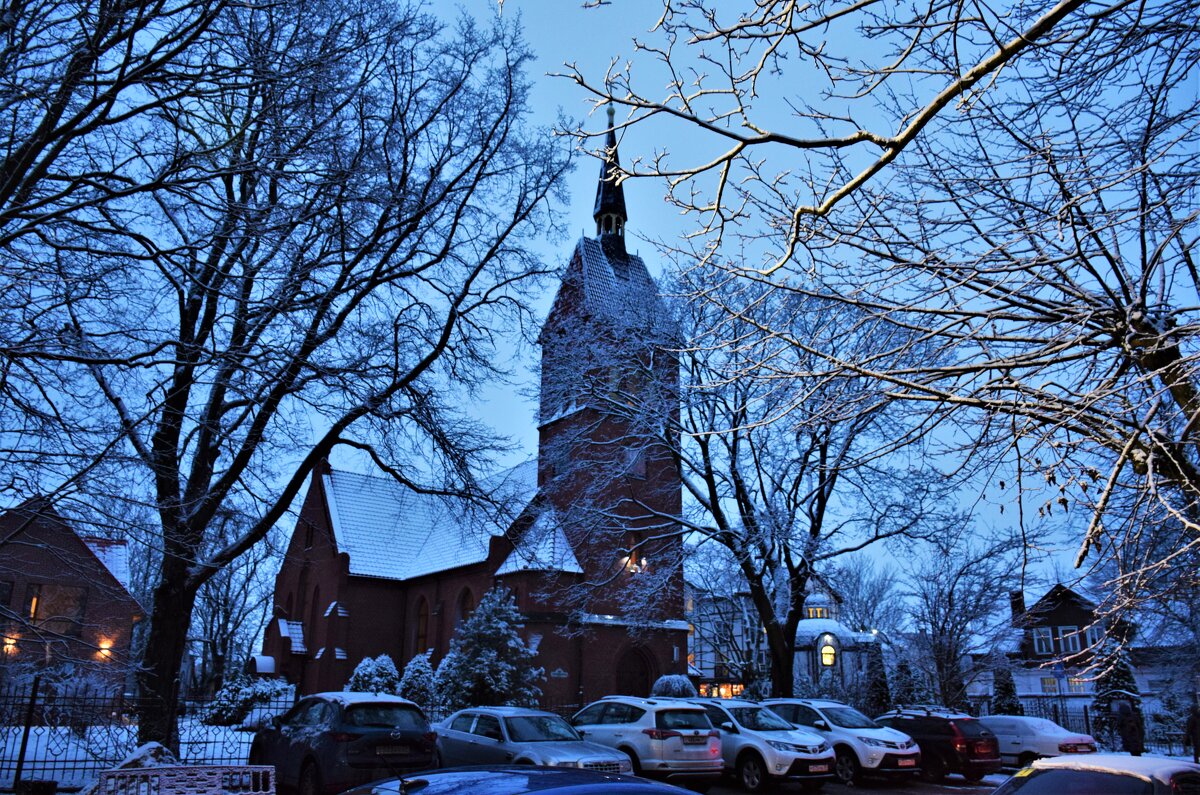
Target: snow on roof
[
  {"x": 1147, "y": 768},
  {"x": 336, "y": 607},
  {"x": 114, "y": 554},
  {"x": 393, "y": 532},
  {"x": 263, "y": 664},
  {"x": 293, "y": 631},
  {"x": 543, "y": 547},
  {"x": 809, "y": 628},
  {"x": 348, "y": 697},
  {"x": 616, "y": 284}
]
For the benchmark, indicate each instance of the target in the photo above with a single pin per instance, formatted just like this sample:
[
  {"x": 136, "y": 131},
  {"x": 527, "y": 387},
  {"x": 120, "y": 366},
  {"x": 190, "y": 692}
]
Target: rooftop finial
[{"x": 609, "y": 211}]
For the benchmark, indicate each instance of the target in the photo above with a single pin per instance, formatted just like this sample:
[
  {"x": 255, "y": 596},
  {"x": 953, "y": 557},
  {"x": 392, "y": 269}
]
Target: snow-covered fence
[{"x": 73, "y": 736}]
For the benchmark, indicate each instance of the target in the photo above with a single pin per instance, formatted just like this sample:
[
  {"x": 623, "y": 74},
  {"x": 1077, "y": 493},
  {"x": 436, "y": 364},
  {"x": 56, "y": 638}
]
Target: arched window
[
  {"x": 828, "y": 655},
  {"x": 314, "y": 613},
  {"x": 421, "y": 636},
  {"x": 466, "y": 606}
]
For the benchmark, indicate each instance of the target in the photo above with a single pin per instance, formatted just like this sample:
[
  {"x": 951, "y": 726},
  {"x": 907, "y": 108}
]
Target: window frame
[{"x": 1043, "y": 640}]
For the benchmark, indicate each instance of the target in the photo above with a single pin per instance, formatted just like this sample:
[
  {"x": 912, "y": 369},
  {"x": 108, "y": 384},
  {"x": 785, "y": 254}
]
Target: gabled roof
[
  {"x": 615, "y": 284},
  {"x": 114, "y": 554},
  {"x": 392, "y": 532},
  {"x": 1057, "y": 595},
  {"x": 543, "y": 547}
]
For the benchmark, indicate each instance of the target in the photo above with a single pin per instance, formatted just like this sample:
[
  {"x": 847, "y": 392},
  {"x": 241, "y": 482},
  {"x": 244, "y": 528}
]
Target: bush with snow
[
  {"x": 673, "y": 686},
  {"x": 489, "y": 663},
  {"x": 375, "y": 675},
  {"x": 419, "y": 682},
  {"x": 238, "y": 697}
]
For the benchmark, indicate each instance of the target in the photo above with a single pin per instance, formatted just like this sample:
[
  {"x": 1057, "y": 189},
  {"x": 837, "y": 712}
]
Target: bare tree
[{"x": 314, "y": 243}]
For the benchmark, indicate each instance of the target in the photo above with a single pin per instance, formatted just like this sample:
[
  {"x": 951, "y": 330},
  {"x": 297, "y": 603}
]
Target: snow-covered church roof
[
  {"x": 809, "y": 629},
  {"x": 543, "y": 547},
  {"x": 392, "y": 532}
]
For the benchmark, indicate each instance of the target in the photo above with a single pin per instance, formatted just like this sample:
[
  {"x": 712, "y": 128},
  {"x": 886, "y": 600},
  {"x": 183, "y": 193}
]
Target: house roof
[
  {"x": 114, "y": 554},
  {"x": 543, "y": 547},
  {"x": 392, "y": 532},
  {"x": 615, "y": 284}
]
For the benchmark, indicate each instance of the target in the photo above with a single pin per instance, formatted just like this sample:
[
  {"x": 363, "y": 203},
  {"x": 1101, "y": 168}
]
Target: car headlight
[
  {"x": 780, "y": 746},
  {"x": 873, "y": 742},
  {"x": 566, "y": 764},
  {"x": 823, "y": 747},
  {"x": 626, "y": 766}
]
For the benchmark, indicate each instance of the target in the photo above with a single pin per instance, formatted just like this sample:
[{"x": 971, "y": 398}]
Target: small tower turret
[{"x": 609, "y": 211}]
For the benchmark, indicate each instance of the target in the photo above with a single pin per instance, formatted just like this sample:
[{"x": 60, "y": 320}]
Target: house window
[
  {"x": 421, "y": 639},
  {"x": 1077, "y": 684},
  {"x": 818, "y": 612},
  {"x": 1043, "y": 641},
  {"x": 1094, "y": 636},
  {"x": 1068, "y": 639},
  {"x": 828, "y": 655},
  {"x": 1049, "y": 686},
  {"x": 56, "y": 609}
]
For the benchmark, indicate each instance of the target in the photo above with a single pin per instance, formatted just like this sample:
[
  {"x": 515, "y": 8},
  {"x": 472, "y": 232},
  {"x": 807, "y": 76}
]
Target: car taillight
[
  {"x": 660, "y": 734},
  {"x": 344, "y": 737},
  {"x": 960, "y": 745}
]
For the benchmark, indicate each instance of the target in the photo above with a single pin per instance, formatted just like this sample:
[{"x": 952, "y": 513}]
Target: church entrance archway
[{"x": 635, "y": 673}]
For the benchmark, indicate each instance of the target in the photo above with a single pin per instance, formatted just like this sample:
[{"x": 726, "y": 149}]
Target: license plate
[
  {"x": 391, "y": 749},
  {"x": 695, "y": 739},
  {"x": 906, "y": 762},
  {"x": 818, "y": 768}
]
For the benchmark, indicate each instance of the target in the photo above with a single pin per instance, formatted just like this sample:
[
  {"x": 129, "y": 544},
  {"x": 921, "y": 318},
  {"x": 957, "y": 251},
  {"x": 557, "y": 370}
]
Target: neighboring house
[
  {"x": 374, "y": 567},
  {"x": 64, "y": 598},
  {"x": 1051, "y": 656},
  {"x": 828, "y": 652}
]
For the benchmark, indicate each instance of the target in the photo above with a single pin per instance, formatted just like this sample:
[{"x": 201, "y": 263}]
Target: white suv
[
  {"x": 664, "y": 738},
  {"x": 863, "y": 747},
  {"x": 759, "y": 746}
]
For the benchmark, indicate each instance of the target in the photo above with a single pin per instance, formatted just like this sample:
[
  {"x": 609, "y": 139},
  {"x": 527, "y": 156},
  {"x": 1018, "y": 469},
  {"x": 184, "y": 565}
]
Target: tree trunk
[{"x": 166, "y": 641}]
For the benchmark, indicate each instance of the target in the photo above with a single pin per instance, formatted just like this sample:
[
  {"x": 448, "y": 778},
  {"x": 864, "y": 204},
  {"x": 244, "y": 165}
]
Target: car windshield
[
  {"x": 392, "y": 716},
  {"x": 759, "y": 719},
  {"x": 849, "y": 718},
  {"x": 1074, "y": 782},
  {"x": 539, "y": 728}
]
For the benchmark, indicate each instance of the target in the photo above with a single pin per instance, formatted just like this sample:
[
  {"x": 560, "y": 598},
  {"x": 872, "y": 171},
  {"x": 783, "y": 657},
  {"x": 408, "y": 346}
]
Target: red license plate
[
  {"x": 906, "y": 762},
  {"x": 818, "y": 768},
  {"x": 695, "y": 739}
]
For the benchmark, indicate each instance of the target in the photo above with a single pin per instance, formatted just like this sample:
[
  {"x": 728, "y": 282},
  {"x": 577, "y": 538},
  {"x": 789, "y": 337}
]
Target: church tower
[{"x": 609, "y": 403}]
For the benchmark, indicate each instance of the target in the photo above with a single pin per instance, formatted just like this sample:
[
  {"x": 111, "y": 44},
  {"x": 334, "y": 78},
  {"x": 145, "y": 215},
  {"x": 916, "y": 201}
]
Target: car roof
[
  {"x": 927, "y": 711},
  {"x": 655, "y": 702},
  {"x": 726, "y": 702},
  {"x": 506, "y": 712},
  {"x": 348, "y": 697},
  {"x": 810, "y": 702},
  {"x": 1147, "y": 768},
  {"x": 518, "y": 779}
]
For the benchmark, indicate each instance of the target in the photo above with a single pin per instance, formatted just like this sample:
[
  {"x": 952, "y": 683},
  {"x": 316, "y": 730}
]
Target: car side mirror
[
  {"x": 728, "y": 727},
  {"x": 822, "y": 725}
]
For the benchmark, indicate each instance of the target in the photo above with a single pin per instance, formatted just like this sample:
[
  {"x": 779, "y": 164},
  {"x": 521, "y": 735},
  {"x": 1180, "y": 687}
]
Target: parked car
[
  {"x": 663, "y": 738},
  {"x": 1023, "y": 739},
  {"x": 760, "y": 747},
  {"x": 331, "y": 741},
  {"x": 495, "y": 735},
  {"x": 863, "y": 747},
  {"x": 1111, "y": 774},
  {"x": 950, "y": 741},
  {"x": 515, "y": 780}
]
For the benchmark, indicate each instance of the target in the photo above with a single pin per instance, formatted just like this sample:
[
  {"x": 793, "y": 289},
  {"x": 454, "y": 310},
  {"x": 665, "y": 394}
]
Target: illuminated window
[
  {"x": 1076, "y": 684},
  {"x": 1043, "y": 641},
  {"x": 818, "y": 612},
  {"x": 828, "y": 655},
  {"x": 56, "y": 609},
  {"x": 1049, "y": 686}
]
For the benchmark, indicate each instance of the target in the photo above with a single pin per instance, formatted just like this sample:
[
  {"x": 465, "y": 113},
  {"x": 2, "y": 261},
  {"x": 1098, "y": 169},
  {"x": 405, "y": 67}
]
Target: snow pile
[{"x": 673, "y": 686}]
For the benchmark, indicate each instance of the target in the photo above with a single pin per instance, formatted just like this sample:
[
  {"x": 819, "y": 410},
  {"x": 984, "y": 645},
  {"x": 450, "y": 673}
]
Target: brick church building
[{"x": 585, "y": 536}]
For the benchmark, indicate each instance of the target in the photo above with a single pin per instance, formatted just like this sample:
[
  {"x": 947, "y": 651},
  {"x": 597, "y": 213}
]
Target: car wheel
[
  {"x": 752, "y": 772},
  {"x": 846, "y": 768},
  {"x": 1025, "y": 760},
  {"x": 310, "y": 780},
  {"x": 973, "y": 778},
  {"x": 933, "y": 769},
  {"x": 633, "y": 760}
]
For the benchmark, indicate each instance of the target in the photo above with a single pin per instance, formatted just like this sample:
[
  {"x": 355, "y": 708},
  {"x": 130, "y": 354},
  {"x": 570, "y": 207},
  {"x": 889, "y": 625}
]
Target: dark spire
[{"x": 610, "y": 212}]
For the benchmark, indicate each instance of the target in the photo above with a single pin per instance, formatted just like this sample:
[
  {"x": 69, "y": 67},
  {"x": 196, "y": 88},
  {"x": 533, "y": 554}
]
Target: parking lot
[{"x": 952, "y": 786}]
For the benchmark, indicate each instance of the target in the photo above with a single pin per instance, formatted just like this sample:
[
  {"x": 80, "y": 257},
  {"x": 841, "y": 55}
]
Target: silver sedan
[{"x": 508, "y": 735}]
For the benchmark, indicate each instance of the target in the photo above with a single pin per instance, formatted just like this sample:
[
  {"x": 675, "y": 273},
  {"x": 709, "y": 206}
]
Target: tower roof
[{"x": 610, "y": 195}]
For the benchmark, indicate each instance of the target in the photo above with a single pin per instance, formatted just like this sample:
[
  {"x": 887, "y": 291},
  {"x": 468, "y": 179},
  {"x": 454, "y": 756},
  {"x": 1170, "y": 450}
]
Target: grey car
[{"x": 514, "y": 735}]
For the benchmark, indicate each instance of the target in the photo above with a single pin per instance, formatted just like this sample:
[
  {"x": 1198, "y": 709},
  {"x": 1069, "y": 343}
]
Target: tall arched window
[
  {"x": 466, "y": 606},
  {"x": 421, "y": 636},
  {"x": 828, "y": 651},
  {"x": 314, "y": 612}
]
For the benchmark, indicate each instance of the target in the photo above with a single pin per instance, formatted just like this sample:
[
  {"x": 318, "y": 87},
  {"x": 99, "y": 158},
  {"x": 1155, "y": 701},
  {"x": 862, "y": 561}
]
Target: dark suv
[
  {"x": 329, "y": 742},
  {"x": 950, "y": 741}
]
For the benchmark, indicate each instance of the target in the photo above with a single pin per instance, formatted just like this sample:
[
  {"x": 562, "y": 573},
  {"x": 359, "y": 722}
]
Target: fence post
[
  {"x": 1087, "y": 723},
  {"x": 37, "y": 680}
]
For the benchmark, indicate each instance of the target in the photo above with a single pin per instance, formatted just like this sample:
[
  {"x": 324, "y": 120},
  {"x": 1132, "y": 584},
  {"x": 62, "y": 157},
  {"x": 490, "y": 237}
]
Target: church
[{"x": 585, "y": 536}]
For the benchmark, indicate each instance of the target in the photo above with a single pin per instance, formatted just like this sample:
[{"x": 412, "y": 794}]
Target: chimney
[{"x": 1016, "y": 601}]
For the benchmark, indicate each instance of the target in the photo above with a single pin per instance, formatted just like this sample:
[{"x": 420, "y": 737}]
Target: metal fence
[
  {"x": 70, "y": 737},
  {"x": 1080, "y": 719}
]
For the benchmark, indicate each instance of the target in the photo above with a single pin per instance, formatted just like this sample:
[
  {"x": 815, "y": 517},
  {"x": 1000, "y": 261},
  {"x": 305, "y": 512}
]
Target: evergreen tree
[
  {"x": 674, "y": 686},
  {"x": 488, "y": 662},
  {"x": 375, "y": 675},
  {"x": 1115, "y": 684},
  {"x": 419, "y": 683},
  {"x": 878, "y": 696},
  {"x": 905, "y": 688},
  {"x": 1004, "y": 693}
]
